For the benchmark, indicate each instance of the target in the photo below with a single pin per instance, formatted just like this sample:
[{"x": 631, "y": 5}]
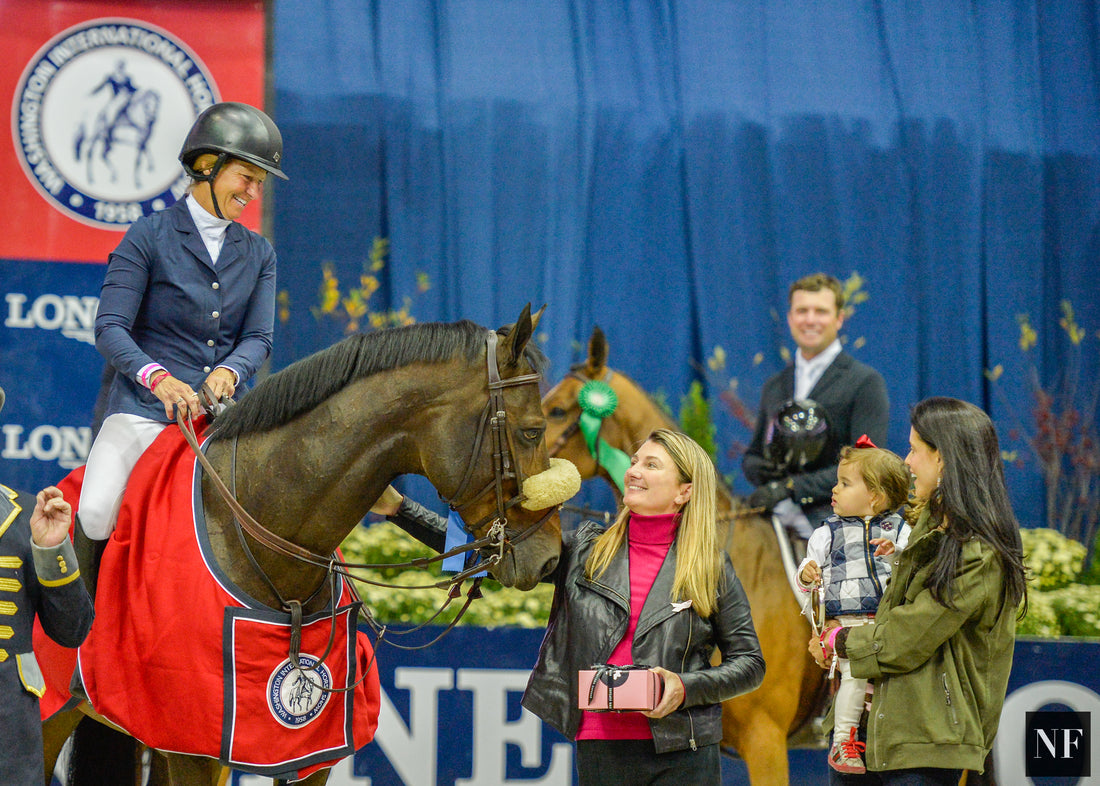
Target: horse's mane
[{"x": 306, "y": 383}]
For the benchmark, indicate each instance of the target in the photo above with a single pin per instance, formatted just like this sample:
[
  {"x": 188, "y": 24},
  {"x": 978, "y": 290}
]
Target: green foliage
[
  {"x": 695, "y": 419},
  {"x": 1092, "y": 575},
  {"x": 1041, "y": 620},
  {"x": 1073, "y": 610},
  {"x": 385, "y": 544},
  {"x": 1078, "y": 610}
]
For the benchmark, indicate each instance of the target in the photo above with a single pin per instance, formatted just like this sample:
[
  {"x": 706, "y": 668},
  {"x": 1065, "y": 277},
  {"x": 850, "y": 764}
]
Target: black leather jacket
[{"x": 589, "y": 618}]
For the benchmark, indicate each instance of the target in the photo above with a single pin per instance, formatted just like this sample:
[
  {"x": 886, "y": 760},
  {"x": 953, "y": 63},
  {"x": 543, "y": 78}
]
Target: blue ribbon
[{"x": 458, "y": 536}]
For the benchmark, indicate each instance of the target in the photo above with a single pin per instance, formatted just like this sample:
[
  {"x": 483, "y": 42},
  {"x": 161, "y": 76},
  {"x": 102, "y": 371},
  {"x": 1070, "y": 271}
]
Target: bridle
[
  {"x": 494, "y": 420},
  {"x": 574, "y": 427},
  {"x": 499, "y": 537}
]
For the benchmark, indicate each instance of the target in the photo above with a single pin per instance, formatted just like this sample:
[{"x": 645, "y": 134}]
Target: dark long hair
[{"x": 971, "y": 496}]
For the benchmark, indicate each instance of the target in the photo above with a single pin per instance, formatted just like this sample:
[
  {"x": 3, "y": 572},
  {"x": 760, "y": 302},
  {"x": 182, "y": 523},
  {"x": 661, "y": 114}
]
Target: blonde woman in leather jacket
[{"x": 652, "y": 589}]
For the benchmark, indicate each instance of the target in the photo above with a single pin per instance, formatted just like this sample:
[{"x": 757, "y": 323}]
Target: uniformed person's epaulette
[{"x": 9, "y": 508}]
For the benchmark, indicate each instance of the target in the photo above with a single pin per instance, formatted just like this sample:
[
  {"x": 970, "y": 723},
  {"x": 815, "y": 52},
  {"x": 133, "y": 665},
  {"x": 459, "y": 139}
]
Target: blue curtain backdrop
[{"x": 665, "y": 169}]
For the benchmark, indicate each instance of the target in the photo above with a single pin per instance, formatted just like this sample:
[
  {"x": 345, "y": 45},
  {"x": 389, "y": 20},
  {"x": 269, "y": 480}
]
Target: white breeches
[{"x": 118, "y": 446}]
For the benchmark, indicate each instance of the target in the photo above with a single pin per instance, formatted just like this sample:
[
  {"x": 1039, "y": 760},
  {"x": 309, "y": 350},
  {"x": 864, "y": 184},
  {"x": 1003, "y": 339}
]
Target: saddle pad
[
  {"x": 182, "y": 659},
  {"x": 265, "y": 703}
]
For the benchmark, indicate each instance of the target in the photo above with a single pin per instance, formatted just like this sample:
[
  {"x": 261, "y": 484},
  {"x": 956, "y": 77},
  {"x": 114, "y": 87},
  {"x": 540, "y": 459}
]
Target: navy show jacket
[{"x": 164, "y": 301}]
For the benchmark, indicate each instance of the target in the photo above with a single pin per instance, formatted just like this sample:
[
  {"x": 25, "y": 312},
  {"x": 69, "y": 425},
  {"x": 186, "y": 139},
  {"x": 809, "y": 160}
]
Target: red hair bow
[{"x": 865, "y": 442}]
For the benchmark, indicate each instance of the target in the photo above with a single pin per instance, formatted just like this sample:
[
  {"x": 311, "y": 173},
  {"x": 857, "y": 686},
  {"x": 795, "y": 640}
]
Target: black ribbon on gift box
[{"x": 612, "y": 676}]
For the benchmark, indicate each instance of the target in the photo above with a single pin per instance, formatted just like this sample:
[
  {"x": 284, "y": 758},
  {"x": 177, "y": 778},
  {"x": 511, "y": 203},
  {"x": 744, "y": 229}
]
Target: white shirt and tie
[{"x": 808, "y": 372}]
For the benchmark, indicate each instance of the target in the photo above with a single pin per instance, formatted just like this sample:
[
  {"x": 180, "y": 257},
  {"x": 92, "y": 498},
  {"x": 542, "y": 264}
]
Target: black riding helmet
[
  {"x": 233, "y": 130},
  {"x": 797, "y": 436}
]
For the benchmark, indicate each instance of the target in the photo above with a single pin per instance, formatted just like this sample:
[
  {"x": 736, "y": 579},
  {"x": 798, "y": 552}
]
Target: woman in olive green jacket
[{"x": 940, "y": 650}]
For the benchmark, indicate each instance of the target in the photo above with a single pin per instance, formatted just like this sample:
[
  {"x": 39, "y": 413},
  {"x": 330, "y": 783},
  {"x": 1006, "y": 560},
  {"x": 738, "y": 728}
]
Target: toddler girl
[{"x": 847, "y": 556}]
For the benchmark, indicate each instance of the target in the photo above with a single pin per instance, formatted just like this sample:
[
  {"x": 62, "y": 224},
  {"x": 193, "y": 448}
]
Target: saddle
[{"x": 89, "y": 552}]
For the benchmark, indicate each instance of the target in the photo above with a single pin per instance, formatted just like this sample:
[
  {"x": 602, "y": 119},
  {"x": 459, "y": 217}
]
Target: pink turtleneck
[{"x": 648, "y": 538}]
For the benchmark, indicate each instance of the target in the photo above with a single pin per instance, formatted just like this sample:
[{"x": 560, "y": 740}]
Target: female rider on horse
[{"x": 188, "y": 301}]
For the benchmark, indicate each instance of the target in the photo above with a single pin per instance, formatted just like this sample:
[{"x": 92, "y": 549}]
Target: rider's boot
[{"x": 88, "y": 554}]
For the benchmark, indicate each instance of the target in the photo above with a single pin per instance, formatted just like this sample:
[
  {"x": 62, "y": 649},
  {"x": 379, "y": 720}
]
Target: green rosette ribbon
[{"x": 597, "y": 401}]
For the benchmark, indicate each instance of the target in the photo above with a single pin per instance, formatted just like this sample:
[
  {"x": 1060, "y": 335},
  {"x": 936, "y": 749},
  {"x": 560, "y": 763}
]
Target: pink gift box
[{"x": 618, "y": 689}]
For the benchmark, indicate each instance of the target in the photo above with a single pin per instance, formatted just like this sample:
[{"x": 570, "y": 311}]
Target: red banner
[{"x": 101, "y": 96}]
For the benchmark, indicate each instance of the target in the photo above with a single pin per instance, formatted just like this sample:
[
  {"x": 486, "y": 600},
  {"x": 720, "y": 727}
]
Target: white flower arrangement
[
  {"x": 385, "y": 543},
  {"x": 1058, "y": 604},
  {"x": 1053, "y": 560}
]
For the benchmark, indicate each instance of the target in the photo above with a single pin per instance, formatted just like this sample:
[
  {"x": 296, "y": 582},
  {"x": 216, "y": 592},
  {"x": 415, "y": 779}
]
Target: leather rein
[{"x": 498, "y": 537}]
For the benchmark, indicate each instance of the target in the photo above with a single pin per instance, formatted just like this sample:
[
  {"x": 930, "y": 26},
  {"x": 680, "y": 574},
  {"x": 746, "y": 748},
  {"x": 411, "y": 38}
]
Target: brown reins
[{"x": 505, "y": 467}]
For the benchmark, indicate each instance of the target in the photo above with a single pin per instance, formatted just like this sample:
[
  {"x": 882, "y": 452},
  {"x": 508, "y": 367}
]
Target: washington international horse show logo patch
[
  {"x": 99, "y": 116},
  {"x": 297, "y": 696}
]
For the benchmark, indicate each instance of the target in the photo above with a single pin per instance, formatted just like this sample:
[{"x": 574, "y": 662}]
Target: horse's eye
[
  {"x": 532, "y": 434},
  {"x": 557, "y": 413}
]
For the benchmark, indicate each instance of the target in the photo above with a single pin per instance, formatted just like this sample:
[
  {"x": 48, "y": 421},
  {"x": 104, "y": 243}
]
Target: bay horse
[
  {"x": 309, "y": 450},
  {"x": 756, "y": 725}
]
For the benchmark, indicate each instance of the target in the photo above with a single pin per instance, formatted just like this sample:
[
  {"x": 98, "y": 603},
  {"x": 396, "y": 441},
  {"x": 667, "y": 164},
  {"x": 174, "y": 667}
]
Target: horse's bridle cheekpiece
[
  {"x": 597, "y": 401},
  {"x": 494, "y": 419}
]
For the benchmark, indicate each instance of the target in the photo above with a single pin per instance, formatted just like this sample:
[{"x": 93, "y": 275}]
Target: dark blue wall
[{"x": 665, "y": 169}]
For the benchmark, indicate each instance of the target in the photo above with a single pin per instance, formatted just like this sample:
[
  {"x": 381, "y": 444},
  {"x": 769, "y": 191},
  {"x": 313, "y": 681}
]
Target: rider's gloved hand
[
  {"x": 769, "y": 472},
  {"x": 769, "y": 495}
]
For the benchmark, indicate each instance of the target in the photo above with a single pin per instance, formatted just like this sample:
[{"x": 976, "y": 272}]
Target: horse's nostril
[{"x": 549, "y": 566}]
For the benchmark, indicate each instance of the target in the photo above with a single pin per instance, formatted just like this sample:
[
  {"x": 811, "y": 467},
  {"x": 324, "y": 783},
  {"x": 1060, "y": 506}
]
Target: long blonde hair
[{"x": 698, "y": 560}]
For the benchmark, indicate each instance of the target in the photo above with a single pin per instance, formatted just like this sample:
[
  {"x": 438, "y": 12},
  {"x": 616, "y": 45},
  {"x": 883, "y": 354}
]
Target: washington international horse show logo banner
[{"x": 99, "y": 115}]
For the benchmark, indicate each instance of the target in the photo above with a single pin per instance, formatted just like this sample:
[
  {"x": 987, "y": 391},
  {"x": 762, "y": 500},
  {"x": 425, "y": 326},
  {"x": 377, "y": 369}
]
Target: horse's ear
[
  {"x": 511, "y": 347},
  {"x": 536, "y": 317},
  {"x": 597, "y": 354}
]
